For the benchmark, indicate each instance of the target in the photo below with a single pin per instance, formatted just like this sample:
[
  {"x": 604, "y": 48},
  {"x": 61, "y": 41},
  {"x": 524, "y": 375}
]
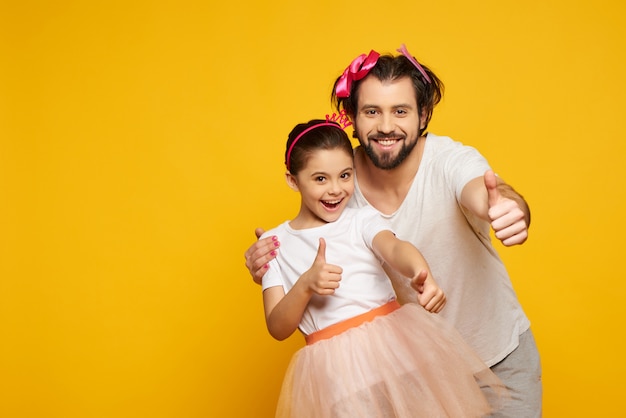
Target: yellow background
[{"x": 141, "y": 142}]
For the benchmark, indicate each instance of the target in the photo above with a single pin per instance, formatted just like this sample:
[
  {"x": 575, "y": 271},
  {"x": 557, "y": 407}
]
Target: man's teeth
[{"x": 386, "y": 142}]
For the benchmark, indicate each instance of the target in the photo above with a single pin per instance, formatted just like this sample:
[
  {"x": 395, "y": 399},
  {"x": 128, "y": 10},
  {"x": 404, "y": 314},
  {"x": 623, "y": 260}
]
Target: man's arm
[
  {"x": 490, "y": 198},
  {"x": 259, "y": 254}
]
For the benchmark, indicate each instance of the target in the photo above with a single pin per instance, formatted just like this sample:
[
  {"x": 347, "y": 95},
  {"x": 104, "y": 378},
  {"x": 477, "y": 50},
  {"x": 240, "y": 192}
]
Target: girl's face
[{"x": 326, "y": 184}]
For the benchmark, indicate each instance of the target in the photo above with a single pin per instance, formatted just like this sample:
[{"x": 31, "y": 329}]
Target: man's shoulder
[
  {"x": 438, "y": 146},
  {"x": 440, "y": 140}
]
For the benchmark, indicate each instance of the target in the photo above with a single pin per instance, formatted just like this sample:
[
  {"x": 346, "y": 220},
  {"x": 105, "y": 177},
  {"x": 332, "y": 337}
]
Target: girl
[{"x": 366, "y": 356}]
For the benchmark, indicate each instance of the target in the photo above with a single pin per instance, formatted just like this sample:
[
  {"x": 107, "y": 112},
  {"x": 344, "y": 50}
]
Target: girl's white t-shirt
[{"x": 364, "y": 285}]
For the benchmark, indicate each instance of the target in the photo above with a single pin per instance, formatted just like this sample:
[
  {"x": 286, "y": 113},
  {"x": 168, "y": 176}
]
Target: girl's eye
[
  {"x": 345, "y": 175},
  {"x": 320, "y": 179}
]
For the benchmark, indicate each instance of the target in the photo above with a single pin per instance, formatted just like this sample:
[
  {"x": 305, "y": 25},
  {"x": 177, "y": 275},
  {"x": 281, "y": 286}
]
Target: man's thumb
[
  {"x": 491, "y": 184},
  {"x": 258, "y": 232}
]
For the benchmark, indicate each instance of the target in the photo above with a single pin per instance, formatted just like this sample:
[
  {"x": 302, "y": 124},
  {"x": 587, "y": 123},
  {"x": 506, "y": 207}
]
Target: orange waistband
[{"x": 353, "y": 322}]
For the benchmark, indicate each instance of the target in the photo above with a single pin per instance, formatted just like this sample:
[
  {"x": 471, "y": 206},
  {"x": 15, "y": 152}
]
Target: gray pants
[{"x": 520, "y": 371}]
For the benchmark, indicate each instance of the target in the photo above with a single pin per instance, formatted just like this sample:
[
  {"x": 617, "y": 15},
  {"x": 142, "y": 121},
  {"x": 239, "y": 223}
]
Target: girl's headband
[
  {"x": 301, "y": 134},
  {"x": 361, "y": 66}
]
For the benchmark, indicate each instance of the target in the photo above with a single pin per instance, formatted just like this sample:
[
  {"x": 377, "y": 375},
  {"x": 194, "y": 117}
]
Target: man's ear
[
  {"x": 423, "y": 117},
  {"x": 292, "y": 182},
  {"x": 353, "y": 120}
]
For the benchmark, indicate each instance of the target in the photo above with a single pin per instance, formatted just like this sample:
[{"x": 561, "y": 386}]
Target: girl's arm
[
  {"x": 405, "y": 258},
  {"x": 283, "y": 312}
]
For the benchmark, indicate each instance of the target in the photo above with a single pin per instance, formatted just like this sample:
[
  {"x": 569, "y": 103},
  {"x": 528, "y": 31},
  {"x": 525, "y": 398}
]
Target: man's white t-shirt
[{"x": 481, "y": 302}]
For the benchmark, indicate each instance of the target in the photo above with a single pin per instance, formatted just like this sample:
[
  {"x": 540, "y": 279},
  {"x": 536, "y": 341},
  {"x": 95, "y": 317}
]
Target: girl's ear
[{"x": 292, "y": 182}]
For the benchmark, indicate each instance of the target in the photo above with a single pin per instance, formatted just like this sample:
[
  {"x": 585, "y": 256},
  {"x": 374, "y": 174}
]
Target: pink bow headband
[
  {"x": 361, "y": 66},
  {"x": 417, "y": 65}
]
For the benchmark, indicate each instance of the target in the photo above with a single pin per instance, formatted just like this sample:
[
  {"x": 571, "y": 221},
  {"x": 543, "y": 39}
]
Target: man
[{"x": 443, "y": 197}]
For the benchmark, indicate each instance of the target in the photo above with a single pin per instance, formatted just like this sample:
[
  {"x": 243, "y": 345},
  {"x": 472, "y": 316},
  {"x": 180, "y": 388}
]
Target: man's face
[{"x": 387, "y": 120}]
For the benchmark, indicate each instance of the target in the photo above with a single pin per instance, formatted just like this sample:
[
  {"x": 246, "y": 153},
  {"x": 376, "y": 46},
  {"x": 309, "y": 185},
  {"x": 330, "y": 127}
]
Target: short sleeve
[{"x": 373, "y": 223}]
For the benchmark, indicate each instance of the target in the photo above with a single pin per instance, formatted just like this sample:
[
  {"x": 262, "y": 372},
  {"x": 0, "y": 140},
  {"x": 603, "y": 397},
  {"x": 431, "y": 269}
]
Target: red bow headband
[
  {"x": 358, "y": 68},
  {"x": 361, "y": 66}
]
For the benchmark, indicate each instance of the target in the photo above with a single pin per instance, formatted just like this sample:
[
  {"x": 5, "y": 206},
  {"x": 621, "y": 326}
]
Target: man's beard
[{"x": 387, "y": 161}]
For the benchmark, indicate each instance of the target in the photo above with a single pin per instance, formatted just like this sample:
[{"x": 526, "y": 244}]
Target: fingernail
[
  {"x": 276, "y": 244},
  {"x": 273, "y": 253},
  {"x": 274, "y": 238},
  {"x": 266, "y": 266}
]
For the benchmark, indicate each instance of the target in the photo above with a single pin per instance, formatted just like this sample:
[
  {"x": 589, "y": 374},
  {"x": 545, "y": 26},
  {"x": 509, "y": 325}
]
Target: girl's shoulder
[
  {"x": 360, "y": 213},
  {"x": 277, "y": 230}
]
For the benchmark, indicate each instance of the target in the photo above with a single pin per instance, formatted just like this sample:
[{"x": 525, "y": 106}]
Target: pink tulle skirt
[{"x": 408, "y": 363}]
